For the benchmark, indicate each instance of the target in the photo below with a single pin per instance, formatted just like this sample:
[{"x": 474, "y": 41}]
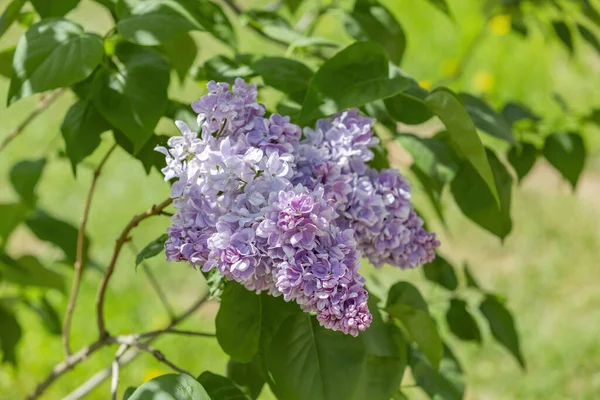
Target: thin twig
[
  {"x": 42, "y": 106},
  {"x": 176, "y": 332},
  {"x": 80, "y": 259},
  {"x": 124, "y": 237},
  {"x": 154, "y": 283},
  {"x": 114, "y": 384},
  {"x": 133, "y": 340}
]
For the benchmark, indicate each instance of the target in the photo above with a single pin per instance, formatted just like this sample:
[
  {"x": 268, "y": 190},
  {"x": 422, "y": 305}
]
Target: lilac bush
[{"x": 285, "y": 213}]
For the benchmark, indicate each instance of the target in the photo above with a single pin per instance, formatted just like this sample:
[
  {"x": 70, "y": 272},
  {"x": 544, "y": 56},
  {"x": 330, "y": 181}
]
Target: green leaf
[
  {"x": 434, "y": 157},
  {"x": 433, "y": 190},
  {"x": 10, "y": 14},
  {"x": 441, "y": 272},
  {"x": 213, "y": 19},
  {"x": 53, "y": 8},
  {"x": 589, "y": 37},
  {"x": 284, "y": 74},
  {"x": 357, "y": 75},
  {"x": 6, "y": 60},
  {"x": 57, "y": 232},
  {"x": 10, "y": 334},
  {"x": 470, "y": 278},
  {"x": 181, "y": 52},
  {"x": 220, "y": 388},
  {"x": 179, "y": 111},
  {"x": 292, "y": 5},
  {"x": 486, "y": 119},
  {"x": 408, "y": 106},
  {"x": 24, "y": 177},
  {"x": 126, "y": 99},
  {"x": 476, "y": 202},
  {"x": 448, "y": 107},
  {"x": 566, "y": 152},
  {"x": 152, "y": 249},
  {"x": 446, "y": 383},
  {"x": 272, "y": 25},
  {"x": 406, "y": 304},
  {"x": 461, "y": 322},
  {"x": 590, "y": 12},
  {"x": 502, "y": 325},
  {"x": 27, "y": 271},
  {"x": 380, "y": 159},
  {"x": 522, "y": 159},
  {"x": 564, "y": 34},
  {"x": 81, "y": 130},
  {"x": 128, "y": 392},
  {"x": 11, "y": 215},
  {"x": 171, "y": 387},
  {"x": 514, "y": 112},
  {"x": 372, "y": 21},
  {"x": 223, "y": 69},
  {"x": 47, "y": 314},
  {"x": 146, "y": 155},
  {"x": 53, "y": 53},
  {"x": 441, "y": 5},
  {"x": 309, "y": 362},
  {"x": 248, "y": 376}
]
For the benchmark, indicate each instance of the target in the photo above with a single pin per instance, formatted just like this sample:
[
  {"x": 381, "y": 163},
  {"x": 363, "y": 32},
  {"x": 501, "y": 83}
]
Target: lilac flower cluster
[{"x": 287, "y": 215}]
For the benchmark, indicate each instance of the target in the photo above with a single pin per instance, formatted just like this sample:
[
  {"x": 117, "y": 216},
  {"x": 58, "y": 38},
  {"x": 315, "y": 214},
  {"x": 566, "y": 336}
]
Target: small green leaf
[
  {"x": 502, "y": 325},
  {"x": 272, "y": 25},
  {"x": 24, "y": 177},
  {"x": 406, "y": 293},
  {"x": 53, "y": 8},
  {"x": 486, "y": 119},
  {"x": 292, "y": 5},
  {"x": 152, "y": 249},
  {"x": 248, "y": 376},
  {"x": 470, "y": 278},
  {"x": 181, "y": 52},
  {"x": 128, "y": 392},
  {"x": 566, "y": 152},
  {"x": 590, "y": 12},
  {"x": 126, "y": 99},
  {"x": 448, "y": 107},
  {"x": 589, "y": 37},
  {"x": 223, "y": 69},
  {"x": 10, "y": 334},
  {"x": 11, "y": 215},
  {"x": 408, "y": 106},
  {"x": 446, "y": 383},
  {"x": 372, "y": 21},
  {"x": 220, "y": 388},
  {"x": 171, "y": 387},
  {"x": 476, "y": 202},
  {"x": 357, "y": 75},
  {"x": 441, "y": 5},
  {"x": 10, "y": 14},
  {"x": 308, "y": 362},
  {"x": 47, "y": 314},
  {"x": 514, "y": 112},
  {"x": 441, "y": 272},
  {"x": 564, "y": 34},
  {"x": 284, "y": 74},
  {"x": 146, "y": 155},
  {"x": 461, "y": 322},
  {"x": 27, "y": 271},
  {"x": 81, "y": 130},
  {"x": 522, "y": 159},
  {"x": 6, "y": 60},
  {"x": 434, "y": 157},
  {"x": 53, "y": 53}
]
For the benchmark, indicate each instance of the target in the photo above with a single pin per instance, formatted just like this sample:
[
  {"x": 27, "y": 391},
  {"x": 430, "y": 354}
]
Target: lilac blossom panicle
[{"x": 287, "y": 215}]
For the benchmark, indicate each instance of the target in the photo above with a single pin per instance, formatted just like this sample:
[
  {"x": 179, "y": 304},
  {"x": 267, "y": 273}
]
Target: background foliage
[{"x": 525, "y": 75}]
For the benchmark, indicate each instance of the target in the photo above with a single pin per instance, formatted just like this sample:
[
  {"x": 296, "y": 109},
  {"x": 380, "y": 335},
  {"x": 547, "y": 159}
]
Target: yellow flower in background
[
  {"x": 425, "y": 84},
  {"x": 484, "y": 81},
  {"x": 449, "y": 67},
  {"x": 500, "y": 24},
  {"x": 152, "y": 373}
]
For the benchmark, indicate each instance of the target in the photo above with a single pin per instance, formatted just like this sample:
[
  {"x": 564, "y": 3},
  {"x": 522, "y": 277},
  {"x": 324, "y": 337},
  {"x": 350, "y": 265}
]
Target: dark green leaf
[
  {"x": 446, "y": 383},
  {"x": 81, "y": 131},
  {"x": 28, "y": 271},
  {"x": 48, "y": 315},
  {"x": 461, "y": 322},
  {"x": 247, "y": 376},
  {"x": 471, "y": 282},
  {"x": 441, "y": 5},
  {"x": 502, "y": 325},
  {"x": 380, "y": 159},
  {"x": 24, "y": 177},
  {"x": 11, "y": 215},
  {"x": 213, "y": 19},
  {"x": 125, "y": 97},
  {"x": 128, "y": 392},
  {"x": 292, "y": 5},
  {"x": 590, "y": 12},
  {"x": 433, "y": 190},
  {"x": 10, "y": 334},
  {"x": 10, "y": 14},
  {"x": 408, "y": 106},
  {"x": 53, "y": 8},
  {"x": 486, "y": 119},
  {"x": 220, "y": 388},
  {"x": 372, "y": 21},
  {"x": 179, "y": 111},
  {"x": 171, "y": 387},
  {"x": 308, "y": 362},
  {"x": 564, "y": 34},
  {"x": 476, "y": 202},
  {"x": 522, "y": 159},
  {"x": 284, "y": 74},
  {"x": 55, "y": 231},
  {"x": 434, "y": 157},
  {"x": 566, "y": 152},
  {"x": 272, "y": 25},
  {"x": 406, "y": 293},
  {"x": 152, "y": 249},
  {"x": 53, "y": 53},
  {"x": 181, "y": 52},
  {"x": 448, "y": 107},
  {"x": 223, "y": 69},
  {"x": 355, "y": 76},
  {"x": 6, "y": 60},
  {"x": 441, "y": 272},
  {"x": 514, "y": 112},
  {"x": 589, "y": 37},
  {"x": 146, "y": 155}
]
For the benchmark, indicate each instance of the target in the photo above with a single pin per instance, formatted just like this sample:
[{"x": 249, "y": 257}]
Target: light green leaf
[
  {"x": 53, "y": 53},
  {"x": 152, "y": 249},
  {"x": 6, "y": 60},
  {"x": 434, "y": 157},
  {"x": 566, "y": 152},
  {"x": 470, "y": 278},
  {"x": 171, "y": 387},
  {"x": 461, "y": 322},
  {"x": 220, "y": 388},
  {"x": 486, "y": 119},
  {"x": 53, "y": 8},
  {"x": 272, "y": 25},
  {"x": 11, "y": 215},
  {"x": 357, "y": 75},
  {"x": 47, "y": 314}
]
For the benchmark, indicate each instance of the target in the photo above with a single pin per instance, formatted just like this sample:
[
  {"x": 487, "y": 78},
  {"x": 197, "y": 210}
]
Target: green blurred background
[{"x": 546, "y": 268}]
